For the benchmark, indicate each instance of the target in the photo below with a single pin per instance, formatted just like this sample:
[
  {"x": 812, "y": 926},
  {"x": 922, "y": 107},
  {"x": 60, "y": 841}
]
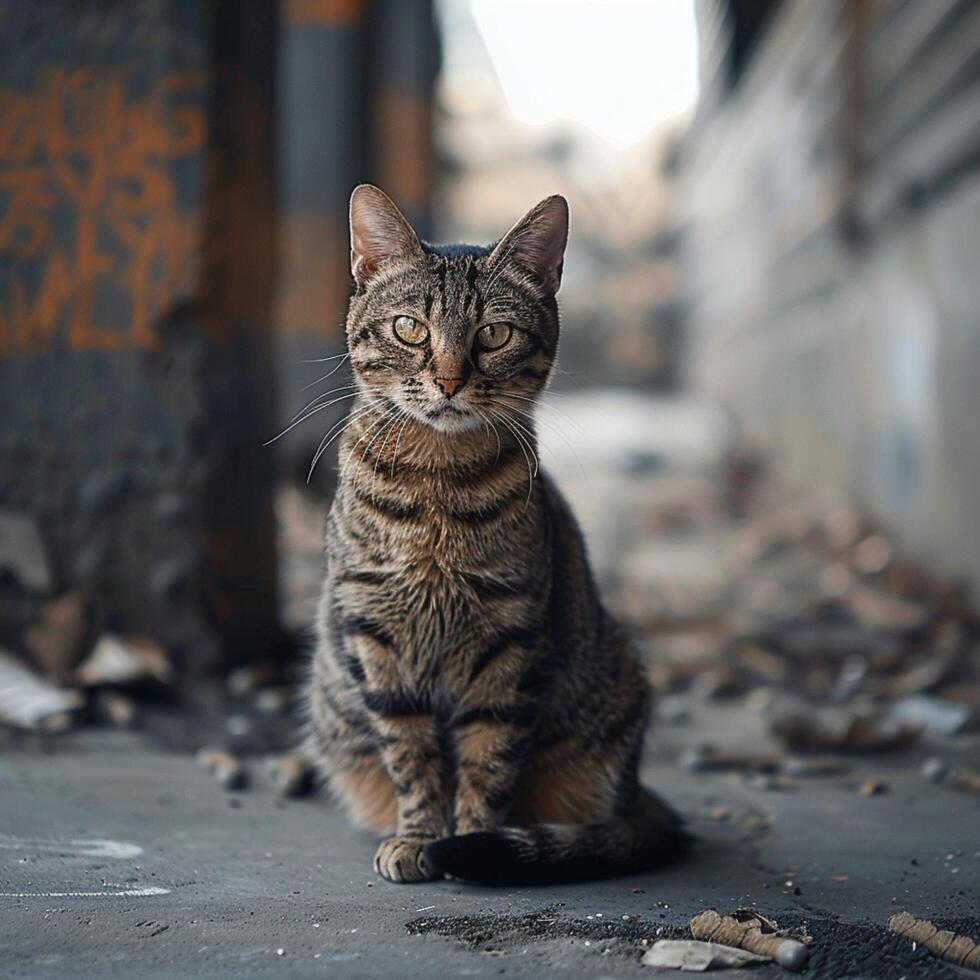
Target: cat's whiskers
[
  {"x": 376, "y": 429},
  {"x": 350, "y": 455},
  {"x": 394, "y": 425},
  {"x": 329, "y": 374},
  {"x": 297, "y": 421},
  {"x": 341, "y": 425},
  {"x": 528, "y": 431},
  {"x": 320, "y": 397},
  {"x": 531, "y": 439},
  {"x": 489, "y": 424},
  {"x": 398, "y": 439},
  {"x": 565, "y": 417},
  {"x": 524, "y": 449},
  {"x": 323, "y": 360},
  {"x": 552, "y": 427}
]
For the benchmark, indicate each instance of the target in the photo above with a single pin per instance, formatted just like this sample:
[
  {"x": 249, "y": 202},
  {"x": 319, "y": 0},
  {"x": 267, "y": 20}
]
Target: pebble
[
  {"x": 934, "y": 770},
  {"x": 792, "y": 955}
]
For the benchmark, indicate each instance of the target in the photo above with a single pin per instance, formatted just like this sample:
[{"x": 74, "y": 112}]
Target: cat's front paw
[{"x": 400, "y": 859}]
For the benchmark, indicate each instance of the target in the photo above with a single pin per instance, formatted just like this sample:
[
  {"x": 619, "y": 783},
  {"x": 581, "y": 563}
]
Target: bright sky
[{"x": 618, "y": 67}]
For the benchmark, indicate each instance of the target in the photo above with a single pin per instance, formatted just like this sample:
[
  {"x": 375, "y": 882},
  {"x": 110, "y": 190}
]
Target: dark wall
[{"x": 137, "y": 262}]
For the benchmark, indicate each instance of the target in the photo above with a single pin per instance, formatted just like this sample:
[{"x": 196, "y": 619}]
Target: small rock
[
  {"x": 116, "y": 708},
  {"x": 244, "y": 680},
  {"x": 274, "y": 700},
  {"x": 222, "y": 764},
  {"x": 792, "y": 955},
  {"x": 872, "y": 787},
  {"x": 124, "y": 660},
  {"x": 934, "y": 770},
  {"x": 934, "y": 714}
]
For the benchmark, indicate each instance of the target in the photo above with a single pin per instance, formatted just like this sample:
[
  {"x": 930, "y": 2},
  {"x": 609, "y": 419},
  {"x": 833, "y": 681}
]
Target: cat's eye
[
  {"x": 409, "y": 331},
  {"x": 494, "y": 335}
]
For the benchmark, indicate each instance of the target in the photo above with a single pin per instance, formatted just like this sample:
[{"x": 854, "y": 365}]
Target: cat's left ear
[
  {"x": 538, "y": 241},
  {"x": 378, "y": 232}
]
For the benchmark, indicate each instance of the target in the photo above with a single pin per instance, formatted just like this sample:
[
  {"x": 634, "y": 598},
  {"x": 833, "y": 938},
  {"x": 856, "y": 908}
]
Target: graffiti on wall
[{"x": 99, "y": 207}]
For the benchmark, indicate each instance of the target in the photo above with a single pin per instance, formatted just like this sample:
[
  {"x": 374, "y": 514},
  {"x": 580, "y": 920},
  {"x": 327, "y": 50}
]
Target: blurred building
[
  {"x": 829, "y": 206},
  {"x": 619, "y": 288}
]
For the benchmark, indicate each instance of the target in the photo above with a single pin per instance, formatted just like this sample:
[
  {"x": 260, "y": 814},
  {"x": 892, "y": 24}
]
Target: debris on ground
[
  {"x": 935, "y": 770},
  {"x": 935, "y": 715},
  {"x": 967, "y": 780},
  {"x": 250, "y": 677},
  {"x": 228, "y": 769},
  {"x": 802, "y": 768},
  {"x": 960, "y": 950},
  {"x": 30, "y": 702},
  {"x": 708, "y": 758},
  {"x": 500, "y": 932},
  {"x": 752, "y": 931},
  {"x": 123, "y": 660},
  {"x": 873, "y": 787},
  {"x": 293, "y": 774},
  {"x": 275, "y": 700},
  {"x": 840, "y": 729},
  {"x": 694, "y": 956},
  {"x": 55, "y": 641},
  {"x": 115, "y": 708}
]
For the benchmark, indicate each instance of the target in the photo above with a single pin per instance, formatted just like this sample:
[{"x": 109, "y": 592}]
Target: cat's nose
[{"x": 449, "y": 386}]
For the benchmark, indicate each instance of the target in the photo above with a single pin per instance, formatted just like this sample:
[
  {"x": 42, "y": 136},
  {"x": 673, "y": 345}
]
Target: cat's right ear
[{"x": 378, "y": 232}]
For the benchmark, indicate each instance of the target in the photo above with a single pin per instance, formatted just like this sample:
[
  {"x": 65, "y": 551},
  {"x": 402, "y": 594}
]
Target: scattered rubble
[{"x": 32, "y": 703}]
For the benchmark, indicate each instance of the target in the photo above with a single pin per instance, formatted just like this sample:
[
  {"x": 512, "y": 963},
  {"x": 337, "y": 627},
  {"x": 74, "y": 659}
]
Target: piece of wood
[
  {"x": 961, "y": 950},
  {"x": 747, "y": 933}
]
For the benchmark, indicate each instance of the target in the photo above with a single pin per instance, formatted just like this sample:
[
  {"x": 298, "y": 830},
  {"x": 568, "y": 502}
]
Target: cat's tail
[{"x": 553, "y": 853}]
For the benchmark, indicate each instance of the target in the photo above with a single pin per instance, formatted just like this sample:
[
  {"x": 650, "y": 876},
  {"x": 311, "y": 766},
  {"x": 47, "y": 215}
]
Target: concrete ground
[{"x": 120, "y": 858}]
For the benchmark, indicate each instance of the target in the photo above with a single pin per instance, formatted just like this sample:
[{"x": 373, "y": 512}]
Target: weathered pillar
[
  {"x": 355, "y": 105},
  {"x": 137, "y": 267}
]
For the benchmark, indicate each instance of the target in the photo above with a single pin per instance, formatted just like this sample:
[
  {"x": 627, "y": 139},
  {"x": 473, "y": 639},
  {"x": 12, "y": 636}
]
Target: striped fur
[{"x": 469, "y": 693}]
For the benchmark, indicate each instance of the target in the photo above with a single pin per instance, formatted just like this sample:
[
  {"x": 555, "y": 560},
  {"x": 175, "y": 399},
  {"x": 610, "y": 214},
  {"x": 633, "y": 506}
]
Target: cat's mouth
[
  {"x": 445, "y": 409},
  {"x": 447, "y": 417}
]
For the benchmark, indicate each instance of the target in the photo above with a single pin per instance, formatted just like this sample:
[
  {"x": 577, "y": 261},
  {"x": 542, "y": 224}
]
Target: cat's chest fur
[{"x": 439, "y": 571}]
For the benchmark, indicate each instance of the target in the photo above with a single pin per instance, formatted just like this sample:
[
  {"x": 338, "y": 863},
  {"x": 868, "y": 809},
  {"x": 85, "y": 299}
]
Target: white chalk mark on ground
[
  {"x": 55, "y": 847},
  {"x": 95, "y": 848},
  {"x": 150, "y": 890}
]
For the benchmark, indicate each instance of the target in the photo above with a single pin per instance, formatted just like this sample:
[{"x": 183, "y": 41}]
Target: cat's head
[{"x": 454, "y": 335}]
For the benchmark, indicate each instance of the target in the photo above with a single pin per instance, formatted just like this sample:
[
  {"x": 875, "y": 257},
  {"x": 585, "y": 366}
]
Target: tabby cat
[{"x": 469, "y": 694}]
